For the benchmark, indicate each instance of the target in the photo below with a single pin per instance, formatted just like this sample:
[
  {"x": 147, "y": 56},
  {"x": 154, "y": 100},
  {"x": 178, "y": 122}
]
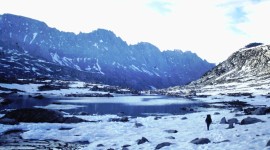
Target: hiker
[{"x": 208, "y": 121}]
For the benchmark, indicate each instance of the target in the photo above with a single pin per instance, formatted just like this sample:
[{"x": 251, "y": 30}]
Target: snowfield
[{"x": 116, "y": 134}]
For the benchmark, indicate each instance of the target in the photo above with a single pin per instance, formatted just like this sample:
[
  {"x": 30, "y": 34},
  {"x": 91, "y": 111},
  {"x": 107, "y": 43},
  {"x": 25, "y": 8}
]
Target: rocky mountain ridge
[
  {"x": 246, "y": 70},
  {"x": 98, "y": 56}
]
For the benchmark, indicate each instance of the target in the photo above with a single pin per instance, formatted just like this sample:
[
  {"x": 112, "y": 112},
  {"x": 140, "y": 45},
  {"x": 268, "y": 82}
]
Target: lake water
[{"x": 127, "y": 105}]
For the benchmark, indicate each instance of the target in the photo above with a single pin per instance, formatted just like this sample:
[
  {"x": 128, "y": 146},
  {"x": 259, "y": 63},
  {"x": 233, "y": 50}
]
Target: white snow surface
[
  {"x": 116, "y": 134},
  {"x": 34, "y": 37}
]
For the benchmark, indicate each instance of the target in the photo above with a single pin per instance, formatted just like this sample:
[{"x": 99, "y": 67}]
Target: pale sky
[{"x": 213, "y": 29}]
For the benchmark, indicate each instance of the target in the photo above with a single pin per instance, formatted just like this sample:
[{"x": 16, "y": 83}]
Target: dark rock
[
  {"x": 200, "y": 141},
  {"x": 230, "y": 126},
  {"x": 248, "y": 111},
  {"x": 5, "y": 101},
  {"x": 123, "y": 119},
  {"x": 157, "y": 118},
  {"x": 250, "y": 120},
  {"x": 8, "y": 121},
  {"x": 238, "y": 115},
  {"x": 39, "y": 97},
  {"x": 159, "y": 146},
  {"x": 171, "y": 131},
  {"x": 233, "y": 121},
  {"x": 64, "y": 128},
  {"x": 137, "y": 125},
  {"x": 110, "y": 149},
  {"x": 223, "y": 121},
  {"x": 216, "y": 113},
  {"x": 259, "y": 111},
  {"x": 142, "y": 140},
  {"x": 73, "y": 120},
  {"x": 124, "y": 148},
  {"x": 170, "y": 137},
  {"x": 183, "y": 118},
  {"x": 100, "y": 145},
  {"x": 13, "y": 131},
  {"x": 127, "y": 145},
  {"x": 268, "y": 143},
  {"x": 40, "y": 115},
  {"x": 222, "y": 141}
]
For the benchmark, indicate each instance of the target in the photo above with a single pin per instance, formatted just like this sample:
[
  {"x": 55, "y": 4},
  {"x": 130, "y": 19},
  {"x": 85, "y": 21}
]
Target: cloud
[{"x": 160, "y": 6}]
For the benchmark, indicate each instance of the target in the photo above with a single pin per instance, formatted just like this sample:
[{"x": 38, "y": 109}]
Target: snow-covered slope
[
  {"x": 246, "y": 70},
  {"x": 101, "y": 52}
]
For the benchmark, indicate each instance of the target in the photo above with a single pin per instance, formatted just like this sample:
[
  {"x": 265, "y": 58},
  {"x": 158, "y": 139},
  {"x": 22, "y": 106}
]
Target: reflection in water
[{"x": 129, "y": 105}]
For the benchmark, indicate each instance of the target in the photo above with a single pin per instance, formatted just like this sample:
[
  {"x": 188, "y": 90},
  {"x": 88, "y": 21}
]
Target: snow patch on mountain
[{"x": 34, "y": 37}]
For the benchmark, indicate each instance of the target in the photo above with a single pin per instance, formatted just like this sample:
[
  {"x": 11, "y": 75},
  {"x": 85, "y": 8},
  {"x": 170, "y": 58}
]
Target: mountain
[
  {"x": 98, "y": 56},
  {"x": 246, "y": 70}
]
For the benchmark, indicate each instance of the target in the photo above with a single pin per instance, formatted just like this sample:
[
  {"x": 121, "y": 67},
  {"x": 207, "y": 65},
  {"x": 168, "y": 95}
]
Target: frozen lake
[{"x": 127, "y": 105}]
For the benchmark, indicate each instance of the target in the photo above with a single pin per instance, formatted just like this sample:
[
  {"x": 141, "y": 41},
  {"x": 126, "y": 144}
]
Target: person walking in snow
[{"x": 208, "y": 121}]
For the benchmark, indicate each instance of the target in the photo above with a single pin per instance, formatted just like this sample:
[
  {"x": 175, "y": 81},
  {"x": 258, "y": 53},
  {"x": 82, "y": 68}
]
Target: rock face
[
  {"x": 100, "y": 56},
  {"x": 249, "y": 65},
  {"x": 200, "y": 141},
  {"x": 40, "y": 115},
  {"x": 142, "y": 140},
  {"x": 250, "y": 120},
  {"x": 161, "y": 145}
]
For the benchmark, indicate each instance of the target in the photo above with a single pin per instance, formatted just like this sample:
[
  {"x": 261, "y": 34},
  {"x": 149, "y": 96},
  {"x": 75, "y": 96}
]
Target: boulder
[
  {"x": 200, "y": 141},
  {"x": 39, "y": 97},
  {"x": 5, "y": 101},
  {"x": 259, "y": 111},
  {"x": 40, "y": 115},
  {"x": 171, "y": 131},
  {"x": 230, "y": 126},
  {"x": 184, "y": 118},
  {"x": 170, "y": 137},
  {"x": 142, "y": 140},
  {"x": 122, "y": 119},
  {"x": 137, "y": 125},
  {"x": 159, "y": 146},
  {"x": 250, "y": 120},
  {"x": 223, "y": 121},
  {"x": 216, "y": 113},
  {"x": 233, "y": 121},
  {"x": 8, "y": 121},
  {"x": 268, "y": 143}
]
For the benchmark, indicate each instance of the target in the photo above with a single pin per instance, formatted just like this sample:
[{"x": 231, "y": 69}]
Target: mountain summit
[{"x": 31, "y": 49}]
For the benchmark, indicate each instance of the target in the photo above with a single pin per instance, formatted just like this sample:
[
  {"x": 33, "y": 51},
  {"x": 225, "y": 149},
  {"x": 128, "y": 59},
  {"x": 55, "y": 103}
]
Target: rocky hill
[
  {"x": 246, "y": 70},
  {"x": 98, "y": 56}
]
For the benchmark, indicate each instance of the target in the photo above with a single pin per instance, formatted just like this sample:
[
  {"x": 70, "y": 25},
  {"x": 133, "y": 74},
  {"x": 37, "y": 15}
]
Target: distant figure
[{"x": 208, "y": 121}]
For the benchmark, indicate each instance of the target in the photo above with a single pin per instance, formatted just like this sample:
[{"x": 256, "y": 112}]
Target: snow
[
  {"x": 77, "y": 67},
  {"x": 147, "y": 72},
  {"x": 25, "y": 38},
  {"x": 34, "y": 37},
  {"x": 95, "y": 45},
  {"x": 135, "y": 68},
  {"x": 56, "y": 58},
  {"x": 30, "y": 88},
  {"x": 58, "y": 107},
  {"x": 116, "y": 134},
  {"x": 77, "y": 84},
  {"x": 98, "y": 68}
]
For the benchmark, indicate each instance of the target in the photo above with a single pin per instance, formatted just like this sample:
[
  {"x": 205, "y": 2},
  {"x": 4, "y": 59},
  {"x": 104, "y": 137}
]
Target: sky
[{"x": 213, "y": 29}]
